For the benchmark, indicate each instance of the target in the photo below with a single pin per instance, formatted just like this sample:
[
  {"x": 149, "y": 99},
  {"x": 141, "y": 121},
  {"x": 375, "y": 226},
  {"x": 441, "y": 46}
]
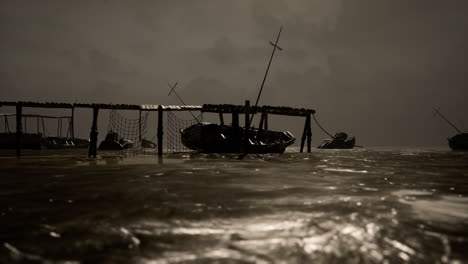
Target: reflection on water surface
[{"x": 348, "y": 206}]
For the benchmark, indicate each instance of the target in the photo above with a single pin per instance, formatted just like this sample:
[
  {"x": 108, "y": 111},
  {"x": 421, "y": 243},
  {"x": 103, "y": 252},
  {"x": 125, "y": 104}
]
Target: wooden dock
[{"x": 221, "y": 109}]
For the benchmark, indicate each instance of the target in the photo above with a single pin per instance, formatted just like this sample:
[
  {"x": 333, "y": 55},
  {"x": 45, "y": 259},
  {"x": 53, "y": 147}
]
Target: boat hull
[
  {"x": 459, "y": 142},
  {"x": 339, "y": 141},
  {"x": 214, "y": 138}
]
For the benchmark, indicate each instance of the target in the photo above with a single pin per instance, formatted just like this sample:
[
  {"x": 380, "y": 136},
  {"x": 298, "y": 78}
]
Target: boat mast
[
  {"x": 275, "y": 46},
  {"x": 450, "y": 123},
  {"x": 182, "y": 101}
]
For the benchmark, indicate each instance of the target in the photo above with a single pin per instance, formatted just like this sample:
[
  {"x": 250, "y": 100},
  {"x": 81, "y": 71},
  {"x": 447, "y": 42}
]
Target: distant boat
[
  {"x": 114, "y": 142},
  {"x": 459, "y": 141},
  {"x": 28, "y": 140},
  {"x": 215, "y": 138},
  {"x": 340, "y": 140},
  {"x": 64, "y": 143}
]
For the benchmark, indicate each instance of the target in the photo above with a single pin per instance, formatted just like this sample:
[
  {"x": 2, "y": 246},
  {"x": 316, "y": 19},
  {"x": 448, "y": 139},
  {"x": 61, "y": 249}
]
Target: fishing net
[
  {"x": 130, "y": 134},
  {"x": 174, "y": 125}
]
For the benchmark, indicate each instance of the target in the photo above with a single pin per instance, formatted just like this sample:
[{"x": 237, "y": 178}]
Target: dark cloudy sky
[{"x": 373, "y": 68}]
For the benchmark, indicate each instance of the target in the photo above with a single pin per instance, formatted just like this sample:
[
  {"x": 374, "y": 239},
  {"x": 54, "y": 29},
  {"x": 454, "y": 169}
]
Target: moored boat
[
  {"x": 215, "y": 138},
  {"x": 459, "y": 142},
  {"x": 340, "y": 140}
]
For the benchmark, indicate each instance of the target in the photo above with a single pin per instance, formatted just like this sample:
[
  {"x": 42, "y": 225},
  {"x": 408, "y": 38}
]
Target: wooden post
[
  {"x": 139, "y": 126},
  {"x": 160, "y": 131},
  {"x": 260, "y": 126},
  {"x": 247, "y": 126},
  {"x": 262, "y": 120},
  {"x": 304, "y": 133},
  {"x": 37, "y": 125},
  {"x": 25, "y": 124},
  {"x": 72, "y": 123},
  {"x": 309, "y": 134},
  {"x": 43, "y": 127},
  {"x": 221, "y": 118},
  {"x": 19, "y": 127},
  {"x": 265, "y": 125},
  {"x": 6, "y": 124},
  {"x": 92, "y": 151},
  {"x": 235, "y": 127}
]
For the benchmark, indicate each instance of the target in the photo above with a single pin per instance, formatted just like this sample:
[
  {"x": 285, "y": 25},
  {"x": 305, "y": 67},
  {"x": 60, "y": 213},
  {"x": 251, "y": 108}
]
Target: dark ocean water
[{"x": 336, "y": 206}]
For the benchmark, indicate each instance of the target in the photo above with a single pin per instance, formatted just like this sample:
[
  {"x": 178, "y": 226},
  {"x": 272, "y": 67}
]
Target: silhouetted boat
[
  {"x": 28, "y": 140},
  {"x": 114, "y": 142},
  {"x": 215, "y": 138},
  {"x": 459, "y": 142},
  {"x": 64, "y": 143},
  {"x": 339, "y": 141}
]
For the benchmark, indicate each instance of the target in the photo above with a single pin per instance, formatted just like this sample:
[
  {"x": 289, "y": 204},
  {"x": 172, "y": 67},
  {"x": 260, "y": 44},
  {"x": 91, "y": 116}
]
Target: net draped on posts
[
  {"x": 173, "y": 138},
  {"x": 129, "y": 129},
  {"x": 134, "y": 130}
]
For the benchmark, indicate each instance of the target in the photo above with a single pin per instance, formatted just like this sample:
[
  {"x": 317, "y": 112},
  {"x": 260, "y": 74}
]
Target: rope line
[{"x": 323, "y": 129}]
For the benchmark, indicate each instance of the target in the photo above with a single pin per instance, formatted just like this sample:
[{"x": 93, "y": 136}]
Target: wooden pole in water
[
  {"x": 309, "y": 134},
  {"x": 139, "y": 125},
  {"x": 221, "y": 118},
  {"x": 72, "y": 123},
  {"x": 235, "y": 127},
  {"x": 92, "y": 151},
  {"x": 247, "y": 126},
  {"x": 43, "y": 127},
  {"x": 19, "y": 127},
  {"x": 160, "y": 131},
  {"x": 262, "y": 121},
  {"x": 304, "y": 135}
]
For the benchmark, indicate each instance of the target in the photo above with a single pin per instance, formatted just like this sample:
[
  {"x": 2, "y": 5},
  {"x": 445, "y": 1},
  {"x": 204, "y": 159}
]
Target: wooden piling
[
  {"x": 160, "y": 131},
  {"x": 304, "y": 133},
  {"x": 247, "y": 127},
  {"x": 261, "y": 125},
  {"x": 19, "y": 128},
  {"x": 72, "y": 123},
  {"x": 309, "y": 134},
  {"x": 93, "y": 135},
  {"x": 221, "y": 118},
  {"x": 235, "y": 127},
  {"x": 265, "y": 124},
  {"x": 139, "y": 125}
]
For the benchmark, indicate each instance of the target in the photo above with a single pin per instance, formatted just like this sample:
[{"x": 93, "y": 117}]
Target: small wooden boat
[
  {"x": 215, "y": 138},
  {"x": 340, "y": 140},
  {"x": 64, "y": 143},
  {"x": 114, "y": 142}
]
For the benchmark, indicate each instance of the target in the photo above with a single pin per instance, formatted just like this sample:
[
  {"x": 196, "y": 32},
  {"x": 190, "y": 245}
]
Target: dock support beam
[
  {"x": 93, "y": 135},
  {"x": 235, "y": 126},
  {"x": 19, "y": 128},
  {"x": 72, "y": 123},
  {"x": 221, "y": 118},
  {"x": 247, "y": 127},
  {"x": 307, "y": 133},
  {"x": 160, "y": 131},
  {"x": 139, "y": 126}
]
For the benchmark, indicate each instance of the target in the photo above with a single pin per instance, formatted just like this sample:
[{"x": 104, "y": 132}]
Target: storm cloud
[{"x": 370, "y": 68}]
